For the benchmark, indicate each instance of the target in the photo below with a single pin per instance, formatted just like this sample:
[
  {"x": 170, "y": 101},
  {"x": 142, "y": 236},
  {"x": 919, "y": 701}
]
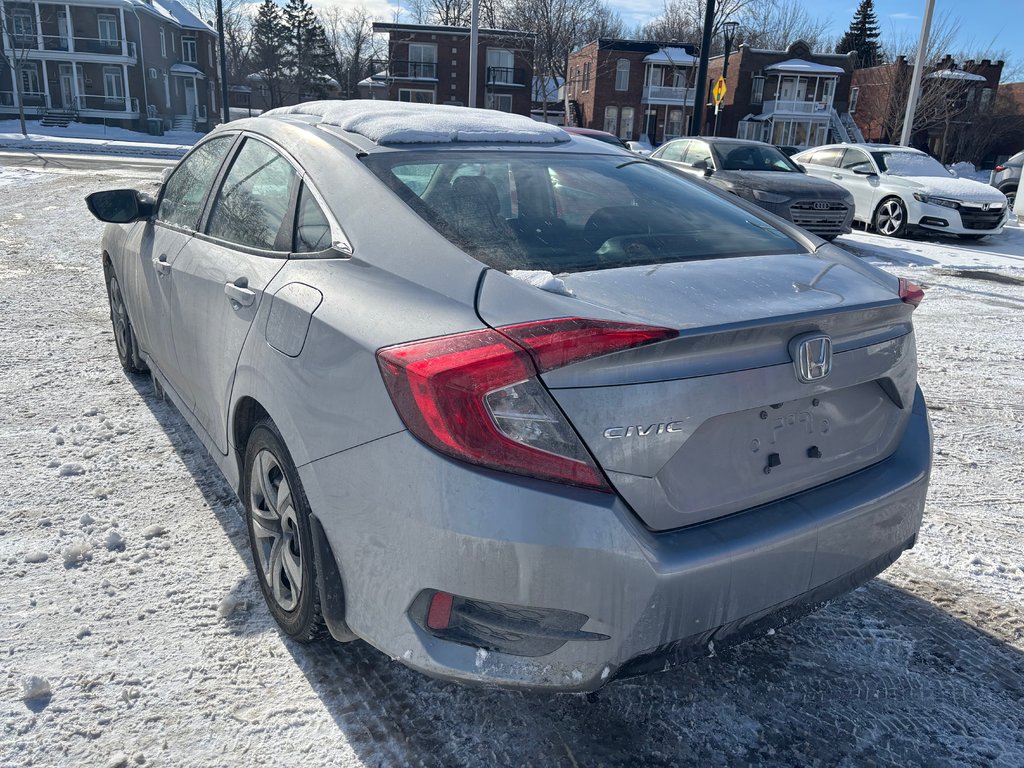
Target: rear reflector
[
  {"x": 440, "y": 611},
  {"x": 910, "y": 293},
  {"x": 476, "y": 396}
]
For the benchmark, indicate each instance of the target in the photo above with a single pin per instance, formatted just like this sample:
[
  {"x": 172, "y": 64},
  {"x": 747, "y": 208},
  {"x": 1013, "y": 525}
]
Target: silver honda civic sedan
[{"x": 512, "y": 406}]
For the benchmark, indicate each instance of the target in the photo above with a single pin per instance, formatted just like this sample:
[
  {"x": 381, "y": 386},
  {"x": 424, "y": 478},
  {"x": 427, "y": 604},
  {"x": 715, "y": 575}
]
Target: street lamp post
[
  {"x": 699, "y": 110},
  {"x": 729, "y": 34}
]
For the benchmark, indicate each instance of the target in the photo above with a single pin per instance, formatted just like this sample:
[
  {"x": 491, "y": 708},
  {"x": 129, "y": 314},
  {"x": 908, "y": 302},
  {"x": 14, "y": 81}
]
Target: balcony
[
  {"x": 119, "y": 104},
  {"x": 666, "y": 94},
  {"x": 404, "y": 70},
  {"x": 64, "y": 48},
  {"x": 93, "y": 105},
  {"x": 513, "y": 77},
  {"x": 797, "y": 107}
]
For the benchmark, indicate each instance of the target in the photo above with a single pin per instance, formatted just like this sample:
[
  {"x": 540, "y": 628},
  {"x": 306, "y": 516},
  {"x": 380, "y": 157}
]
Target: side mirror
[
  {"x": 120, "y": 206},
  {"x": 862, "y": 171},
  {"x": 702, "y": 165}
]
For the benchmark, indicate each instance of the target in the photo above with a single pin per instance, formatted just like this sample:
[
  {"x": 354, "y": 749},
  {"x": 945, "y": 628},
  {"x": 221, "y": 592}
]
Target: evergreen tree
[
  {"x": 862, "y": 36},
  {"x": 309, "y": 55},
  {"x": 269, "y": 46}
]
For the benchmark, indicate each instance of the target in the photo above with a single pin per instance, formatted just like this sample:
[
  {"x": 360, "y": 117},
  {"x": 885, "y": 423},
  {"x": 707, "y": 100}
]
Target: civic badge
[{"x": 812, "y": 356}]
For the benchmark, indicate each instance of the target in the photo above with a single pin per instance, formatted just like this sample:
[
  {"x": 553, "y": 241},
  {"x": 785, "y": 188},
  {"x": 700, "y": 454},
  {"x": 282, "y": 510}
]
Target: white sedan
[{"x": 898, "y": 189}]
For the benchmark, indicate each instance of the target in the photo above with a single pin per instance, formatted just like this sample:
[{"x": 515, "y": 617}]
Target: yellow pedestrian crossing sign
[{"x": 719, "y": 91}]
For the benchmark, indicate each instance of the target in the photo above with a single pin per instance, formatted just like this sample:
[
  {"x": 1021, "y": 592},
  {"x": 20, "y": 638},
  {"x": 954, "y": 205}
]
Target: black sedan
[{"x": 760, "y": 173}]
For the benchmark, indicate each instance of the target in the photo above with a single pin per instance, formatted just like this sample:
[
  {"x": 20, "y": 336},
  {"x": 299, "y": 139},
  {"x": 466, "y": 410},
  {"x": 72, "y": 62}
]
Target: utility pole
[
  {"x": 700, "y": 95},
  {"x": 225, "y": 112},
  {"x": 915, "y": 82},
  {"x": 474, "y": 50}
]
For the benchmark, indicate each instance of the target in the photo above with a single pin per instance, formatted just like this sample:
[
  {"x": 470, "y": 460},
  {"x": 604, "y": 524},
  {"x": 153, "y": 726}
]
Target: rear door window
[
  {"x": 826, "y": 157},
  {"x": 252, "y": 205}
]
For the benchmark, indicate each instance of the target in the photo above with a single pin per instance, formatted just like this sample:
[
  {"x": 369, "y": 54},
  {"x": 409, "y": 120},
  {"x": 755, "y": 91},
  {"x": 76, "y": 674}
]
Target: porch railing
[
  {"x": 91, "y": 45},
  {"x": 35, "y": 102},
  {"x": 668, "y": 93},
  {"x": 796, "y": 107},
  {"x": 128, "y": 104},
  {"x": 411, "y": 70},
  {"x": 506, "y": 76}
]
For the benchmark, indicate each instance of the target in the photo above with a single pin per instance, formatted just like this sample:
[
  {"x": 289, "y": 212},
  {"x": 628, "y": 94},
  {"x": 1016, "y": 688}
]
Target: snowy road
[{"x": 127, "y": 585}]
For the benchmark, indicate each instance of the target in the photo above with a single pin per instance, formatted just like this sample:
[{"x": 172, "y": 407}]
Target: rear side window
[
  {"x": 186, "y": 189},
  {"x": 826, "y": 157},
  {"x": 568, "y": 212},
  {"x": 252, "y": 204},
  {"x": 674, "y": 151},
  {"x": 312, "y": 230}
]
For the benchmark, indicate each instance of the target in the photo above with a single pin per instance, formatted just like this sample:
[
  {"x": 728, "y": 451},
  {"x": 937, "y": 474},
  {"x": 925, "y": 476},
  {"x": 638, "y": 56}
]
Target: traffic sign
[{"x": 719, "y": 91}]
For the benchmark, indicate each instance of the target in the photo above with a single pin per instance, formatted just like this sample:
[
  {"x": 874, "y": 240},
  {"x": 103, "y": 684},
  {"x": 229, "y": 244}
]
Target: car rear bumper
[{"x": 401, "y": 519}]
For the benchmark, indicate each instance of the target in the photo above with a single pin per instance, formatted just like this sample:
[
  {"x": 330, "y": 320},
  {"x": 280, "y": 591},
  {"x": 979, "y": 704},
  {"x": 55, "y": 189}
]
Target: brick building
[
  {"x": 951, "y": 99},
  {"x": 794, "y": 97},
  {"x": 121, "y": 62},
  {"x": 632, "y": 88},
  {"x": 431, "y": 64}
]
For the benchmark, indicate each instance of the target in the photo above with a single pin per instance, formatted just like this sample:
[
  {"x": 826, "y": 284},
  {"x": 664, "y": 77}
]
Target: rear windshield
[{"x": 563, "y": 212}]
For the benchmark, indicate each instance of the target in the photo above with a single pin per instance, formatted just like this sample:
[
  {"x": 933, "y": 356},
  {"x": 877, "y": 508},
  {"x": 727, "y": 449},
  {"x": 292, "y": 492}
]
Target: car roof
[
  {"x": 389, "y": 123},
  {"x": 587, "y": 131}
]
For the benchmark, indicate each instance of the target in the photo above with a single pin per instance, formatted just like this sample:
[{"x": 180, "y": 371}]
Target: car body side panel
[{"x": 344, "y": 402}]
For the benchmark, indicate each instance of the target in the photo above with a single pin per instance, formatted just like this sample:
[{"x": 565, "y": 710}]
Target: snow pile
[
  {"x": 395, "y": 122},
  {"x": 542, "y": 279},
  {"x": 89, "y": 138}
]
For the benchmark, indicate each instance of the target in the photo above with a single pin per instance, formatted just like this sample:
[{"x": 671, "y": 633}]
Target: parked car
[
  {"x": 898, "y": 190},
  {"x": 592, "y": 133},
  {"x": 760, "y": 173},
  {"x": 706, "y": 423},
  {"x": 1006, "y": 177}
]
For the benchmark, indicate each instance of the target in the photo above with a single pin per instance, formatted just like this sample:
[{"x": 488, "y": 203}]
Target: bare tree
[
  {"x": 237, "y": 31},
  {"x": 350, "y": 35},
  {"x": 450, "y": 13},
  {"x": 19, "y": 38}
]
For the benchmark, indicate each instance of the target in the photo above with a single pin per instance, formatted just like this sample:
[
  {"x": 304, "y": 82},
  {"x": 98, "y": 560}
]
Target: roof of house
[
  {"x": 169, "y": 10},
  {"x": 670, "y": 56},
  {"x": 956, "y": 74},
  {"x": 805, "y": 67},
  {"x": 389, "y": 27}
]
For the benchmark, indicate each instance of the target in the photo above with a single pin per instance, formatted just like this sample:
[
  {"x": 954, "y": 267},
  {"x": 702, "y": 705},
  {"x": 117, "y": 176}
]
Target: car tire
[
  {"x": 1011, "y": 196},
  {"x": 891, "y": 218},
  {"x": 278, "y": 518},
  {"x": 124, "y": 335}
]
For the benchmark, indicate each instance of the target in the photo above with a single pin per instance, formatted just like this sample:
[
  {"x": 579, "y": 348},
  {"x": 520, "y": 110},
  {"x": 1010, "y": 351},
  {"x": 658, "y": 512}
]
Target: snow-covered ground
[
  {"x": 98, "y": 139},
  {"x": 129, "y": 596}
]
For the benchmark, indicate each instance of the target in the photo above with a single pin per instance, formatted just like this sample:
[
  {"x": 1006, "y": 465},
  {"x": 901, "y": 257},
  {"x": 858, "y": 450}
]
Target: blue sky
[{"x": 983, "y": 24}]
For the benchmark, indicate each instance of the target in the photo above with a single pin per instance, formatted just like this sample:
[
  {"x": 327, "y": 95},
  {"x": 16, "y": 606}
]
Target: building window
[
  {"x": 757, "y": 93},
  {"x": 108, "y": 29},
  {"x": 113, "y": 84},
  {"x": 675, "y": 124},
  {"x": 500, "y": 101},
  {"x": 586, "y": 76},
  {"x": 209, "y": 52},
  {"x": 622, "y": 75},
  {"x": 611, "y": 119},
  {"x": 422, "y": 60},
  {"x": 30, "y": 79},
  {"x": 854, "y": 94},
  {"x": 500, "y": 66},
  {"x": 23, "y": 27},
  {"x": 416, "y": 95},
  {"x": 188, "y": 50},
  {"x": 986, "y": 99},
  {"x": 163, "y": 43},
  {"x": 626, "y": 124}
]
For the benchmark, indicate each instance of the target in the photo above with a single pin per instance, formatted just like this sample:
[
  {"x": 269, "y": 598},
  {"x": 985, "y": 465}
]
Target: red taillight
[
  {"x": 440, "y": 612},
  {"x": 910, "y": 293},
  {"x": 475, "y": 395},
  {"x": 1000, "y": 168}
]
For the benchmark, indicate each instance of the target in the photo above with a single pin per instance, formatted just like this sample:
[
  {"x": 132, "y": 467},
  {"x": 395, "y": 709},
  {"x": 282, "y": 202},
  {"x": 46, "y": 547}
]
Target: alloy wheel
[
  {"x": 276, "y": 528},
  {"x": 889, "y": 220},
  {"x": 119, "y": 319}
]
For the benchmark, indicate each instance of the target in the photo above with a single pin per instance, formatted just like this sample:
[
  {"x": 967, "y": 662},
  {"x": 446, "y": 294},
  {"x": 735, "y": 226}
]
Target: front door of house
[
  {"x": 63, "y": 31},
  {"x": 67, "y": 85},
  {"x": 190, "y": 97}
]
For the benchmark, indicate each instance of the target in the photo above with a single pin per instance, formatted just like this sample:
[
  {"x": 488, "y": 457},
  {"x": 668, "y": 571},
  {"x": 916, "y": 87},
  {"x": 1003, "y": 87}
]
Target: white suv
[{"x": 897, "y": 189}]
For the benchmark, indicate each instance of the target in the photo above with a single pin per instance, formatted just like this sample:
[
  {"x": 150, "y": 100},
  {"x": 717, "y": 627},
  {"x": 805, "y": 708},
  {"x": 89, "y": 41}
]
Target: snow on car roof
[{"x": 396, "y": 122}]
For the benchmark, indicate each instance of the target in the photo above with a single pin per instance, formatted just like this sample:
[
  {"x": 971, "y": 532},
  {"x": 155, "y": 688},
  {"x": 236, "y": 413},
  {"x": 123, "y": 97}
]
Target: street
[{"x": 129, "y": 588}]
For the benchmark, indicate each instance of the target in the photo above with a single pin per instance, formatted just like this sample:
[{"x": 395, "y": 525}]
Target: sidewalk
[{"x": 81, "y": 138}]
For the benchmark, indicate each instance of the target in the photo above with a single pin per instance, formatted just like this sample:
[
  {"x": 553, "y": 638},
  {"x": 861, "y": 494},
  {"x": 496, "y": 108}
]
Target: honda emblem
[{"x": 812, "y": 356}]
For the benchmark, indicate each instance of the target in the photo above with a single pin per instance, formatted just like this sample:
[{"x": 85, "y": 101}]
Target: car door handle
[
  {"x": 239, "y": 292},
  {"x": 837, "y": 175},
  {"x": 161, "y": 265}
]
